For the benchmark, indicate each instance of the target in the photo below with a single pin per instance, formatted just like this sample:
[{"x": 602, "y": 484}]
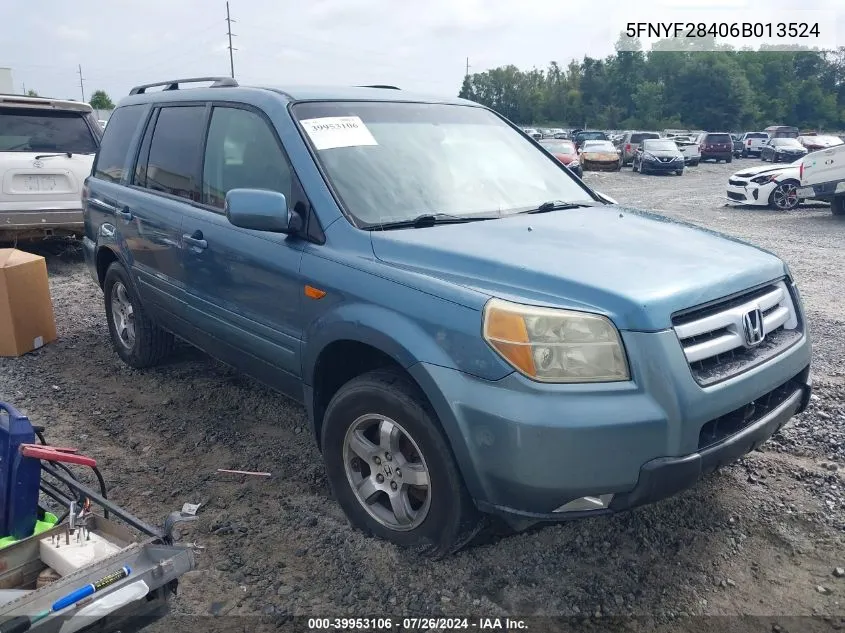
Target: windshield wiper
[
  {"x": 68, "y": 154},
  {"x": 558, "y": 205},
  {"x": 430, "y": 219}
]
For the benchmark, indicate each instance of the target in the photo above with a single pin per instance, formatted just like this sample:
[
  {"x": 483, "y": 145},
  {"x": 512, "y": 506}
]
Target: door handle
[
  {"x": 195, "y": 240},
  {"x": 123, "y": 214}
]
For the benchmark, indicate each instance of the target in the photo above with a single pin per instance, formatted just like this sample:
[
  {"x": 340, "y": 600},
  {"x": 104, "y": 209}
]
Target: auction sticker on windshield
[{"x": 338, "y": 131}]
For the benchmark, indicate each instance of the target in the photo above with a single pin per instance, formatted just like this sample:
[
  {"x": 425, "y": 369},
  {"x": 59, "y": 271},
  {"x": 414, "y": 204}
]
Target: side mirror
[{"x": 261, "y": 210}]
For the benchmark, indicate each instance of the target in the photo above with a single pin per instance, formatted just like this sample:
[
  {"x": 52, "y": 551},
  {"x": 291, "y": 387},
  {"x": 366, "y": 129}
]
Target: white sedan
[{"x": 772, "y": 186}]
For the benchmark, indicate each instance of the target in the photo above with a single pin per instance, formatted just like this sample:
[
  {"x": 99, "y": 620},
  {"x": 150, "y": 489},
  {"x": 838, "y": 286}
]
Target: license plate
[
  {"x": 42, "y": 183},
  {"x": 805, "y": 192}
]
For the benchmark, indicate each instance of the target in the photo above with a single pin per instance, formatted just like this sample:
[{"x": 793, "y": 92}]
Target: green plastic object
[{"x": 48, "y": 522}]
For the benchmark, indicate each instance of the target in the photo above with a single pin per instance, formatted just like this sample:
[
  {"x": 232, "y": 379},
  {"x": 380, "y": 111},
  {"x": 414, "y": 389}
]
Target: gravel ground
[{"x": 761, "y": 538}]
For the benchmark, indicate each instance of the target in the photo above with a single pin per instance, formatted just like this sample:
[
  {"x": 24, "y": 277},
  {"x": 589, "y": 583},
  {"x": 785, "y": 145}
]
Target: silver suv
[{"x": 630, "y": 142}]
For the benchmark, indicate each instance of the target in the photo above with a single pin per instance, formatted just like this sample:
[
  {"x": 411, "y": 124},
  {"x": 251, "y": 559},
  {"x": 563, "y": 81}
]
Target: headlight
[
  {"x": 648, "y": 156},
  {"x": 762, "y": 180},
  {"x": 573, "y": 164},
  {"x": 552, "y": 345}
]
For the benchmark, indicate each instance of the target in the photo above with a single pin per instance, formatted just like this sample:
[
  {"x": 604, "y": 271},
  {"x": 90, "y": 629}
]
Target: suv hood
[{"x": 635, "y": 267}]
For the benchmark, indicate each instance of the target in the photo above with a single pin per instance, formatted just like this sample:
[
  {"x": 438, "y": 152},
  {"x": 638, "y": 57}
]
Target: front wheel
[
  {"x": 729, "y": 159},
  {"x": 390, "y": 466},
  {"x": 634, "y": 166},
  {"x": 136, "y": 338},
  {"x": 785, "y": 196}
]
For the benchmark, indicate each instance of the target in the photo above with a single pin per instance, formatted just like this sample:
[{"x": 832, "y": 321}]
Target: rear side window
[
  {"x": 719, "y": 138},
  {"x": 37, "y": 130},
  {"x": 112, "y": 159},
  {"x": 173, "y": 163},
  {"x": 242, "y": 153},
  {"x": 756, "y": 135}
]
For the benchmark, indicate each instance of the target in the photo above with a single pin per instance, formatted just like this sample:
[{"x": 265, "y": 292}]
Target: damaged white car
[{"x": 774, "y": 186}]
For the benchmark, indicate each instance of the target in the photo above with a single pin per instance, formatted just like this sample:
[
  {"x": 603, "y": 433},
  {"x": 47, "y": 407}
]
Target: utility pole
[
  {"x": 467, "y": 72},
  {"x": 229, "y": 21},
  {"x": 24, "y": 87},
  {"x": 81, "y": 86}
]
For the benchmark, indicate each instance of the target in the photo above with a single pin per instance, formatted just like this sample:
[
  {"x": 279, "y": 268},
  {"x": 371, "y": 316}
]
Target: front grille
[
  {"x": 713, "y": 336},
  {"x": 726, "y": 425},
  {"x": 736, "y": 183},
  {"x": 736, "y": 196}
]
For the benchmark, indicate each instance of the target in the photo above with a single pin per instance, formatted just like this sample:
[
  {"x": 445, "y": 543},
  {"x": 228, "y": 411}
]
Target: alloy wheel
[
  {"x": 122, "y": 315},
  {"x": 387, "y": 472}
]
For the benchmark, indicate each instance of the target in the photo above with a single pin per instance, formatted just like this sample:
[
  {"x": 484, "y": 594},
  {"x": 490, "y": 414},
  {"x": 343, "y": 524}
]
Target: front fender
[{"x": 405, "y": 340}]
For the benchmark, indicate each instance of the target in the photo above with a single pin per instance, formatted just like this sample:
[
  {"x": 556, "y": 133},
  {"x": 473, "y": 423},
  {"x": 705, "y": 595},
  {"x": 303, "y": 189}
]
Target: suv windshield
[
  {"x": 392, "y": 161},
  {"x": 590, "y": 136},
  {"x": 653, "y": 145},
  {"x": 639, "y": 137},
  {"x": 30, "y": 130}
]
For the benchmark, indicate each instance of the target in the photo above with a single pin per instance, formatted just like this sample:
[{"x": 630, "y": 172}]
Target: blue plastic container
[{"x": 20, "y": 477}]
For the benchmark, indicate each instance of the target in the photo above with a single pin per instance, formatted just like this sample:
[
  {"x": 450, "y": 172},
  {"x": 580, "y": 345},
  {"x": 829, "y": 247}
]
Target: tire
[
  {"x": 775, "y": 158},
  {"x": 784, "y": 197},
  {"x": 762, "y": 157},
  {"x": 680, "y": 172},
  {"x": 729, "y": 159},
  {"x": 837, "y": 206},
  {"x": 438, "y": 518},
  {"x": 634, "y": 166},
  {"x": 138, "y": 341},
  {"x": 694, "y": 164},
  {"x": 744, "y": 154}
]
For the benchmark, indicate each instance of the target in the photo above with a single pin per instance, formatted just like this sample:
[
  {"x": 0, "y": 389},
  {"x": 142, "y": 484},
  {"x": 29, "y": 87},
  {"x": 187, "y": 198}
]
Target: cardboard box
[{"x": 26, "y": 311}]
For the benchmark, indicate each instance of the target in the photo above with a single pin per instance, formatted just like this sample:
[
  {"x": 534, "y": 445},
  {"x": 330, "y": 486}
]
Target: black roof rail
[
  {"x": 173, "y": 84},
  {"x": 382, "y": 86}
]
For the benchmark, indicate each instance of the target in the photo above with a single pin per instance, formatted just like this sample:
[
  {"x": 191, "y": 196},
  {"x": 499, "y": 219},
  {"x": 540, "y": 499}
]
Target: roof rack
[
  {"x": 382, "y": 86},
  {"x": 173, "y": 84}
]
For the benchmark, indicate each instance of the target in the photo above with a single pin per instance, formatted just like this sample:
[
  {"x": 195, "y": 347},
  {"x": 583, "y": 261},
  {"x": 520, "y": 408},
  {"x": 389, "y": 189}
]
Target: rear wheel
[
  {"x": 137, "y": 340},
  {"x": 391, "y": 468},
  {"x": 785, "y": 196}
]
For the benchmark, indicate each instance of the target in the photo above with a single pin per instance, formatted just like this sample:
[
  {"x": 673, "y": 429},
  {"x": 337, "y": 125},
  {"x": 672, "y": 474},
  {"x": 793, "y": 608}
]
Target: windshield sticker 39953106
[{"x": 338, "y": 131}]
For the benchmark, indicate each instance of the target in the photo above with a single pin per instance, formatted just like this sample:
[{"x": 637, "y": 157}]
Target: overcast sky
[{"x": 421, "y": 45}]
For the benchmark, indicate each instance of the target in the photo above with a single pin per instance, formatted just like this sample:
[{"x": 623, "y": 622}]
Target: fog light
[{"x": 586, "y": 503}]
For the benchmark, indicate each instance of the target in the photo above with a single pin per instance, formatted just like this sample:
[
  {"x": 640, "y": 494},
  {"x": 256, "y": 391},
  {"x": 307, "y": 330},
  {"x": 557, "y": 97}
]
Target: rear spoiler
[{"x": 41, "y": 102}]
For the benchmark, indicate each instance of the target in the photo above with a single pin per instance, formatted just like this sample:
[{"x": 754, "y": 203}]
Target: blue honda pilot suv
[{"x": 471, "y": 328}]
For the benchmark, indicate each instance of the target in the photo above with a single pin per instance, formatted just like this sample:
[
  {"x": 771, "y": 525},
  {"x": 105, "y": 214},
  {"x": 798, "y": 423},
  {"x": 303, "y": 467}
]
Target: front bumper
[
  {"x": 750, "y": 193},
  {"x": 528, "y": 449},
  {"x": 659, "y": 166},
  {"x": 589, "y": 165}
]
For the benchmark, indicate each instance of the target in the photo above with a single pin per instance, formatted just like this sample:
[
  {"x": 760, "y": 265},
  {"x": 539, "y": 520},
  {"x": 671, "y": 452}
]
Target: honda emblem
[{"x": 752, "y": 327}]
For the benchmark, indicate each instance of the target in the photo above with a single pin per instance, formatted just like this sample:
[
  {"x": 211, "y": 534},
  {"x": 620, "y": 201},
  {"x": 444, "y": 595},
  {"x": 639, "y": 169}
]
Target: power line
[
  {"x": 229, "y": 21},
  {"x": 81, "y": 86}
]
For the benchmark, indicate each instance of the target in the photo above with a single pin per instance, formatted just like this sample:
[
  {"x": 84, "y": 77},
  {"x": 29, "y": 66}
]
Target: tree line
[{"x": 725, "y": 89}]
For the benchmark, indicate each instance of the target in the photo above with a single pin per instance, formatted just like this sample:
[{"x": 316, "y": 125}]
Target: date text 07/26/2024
[{"x": 693, "y": 30}]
